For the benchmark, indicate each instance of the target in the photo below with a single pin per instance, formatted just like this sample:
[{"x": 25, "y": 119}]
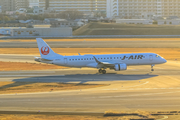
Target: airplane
[{"x": 117, "y": 62}]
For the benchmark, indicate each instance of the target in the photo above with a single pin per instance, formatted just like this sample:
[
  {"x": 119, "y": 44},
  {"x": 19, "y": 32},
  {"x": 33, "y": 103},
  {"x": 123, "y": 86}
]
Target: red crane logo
[{"x": 45, "y": 50}]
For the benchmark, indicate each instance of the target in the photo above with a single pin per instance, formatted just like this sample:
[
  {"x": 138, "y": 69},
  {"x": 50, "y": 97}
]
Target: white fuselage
[
  {"x": 89, "y": 61},
  {"x": 118, "y": 62}
]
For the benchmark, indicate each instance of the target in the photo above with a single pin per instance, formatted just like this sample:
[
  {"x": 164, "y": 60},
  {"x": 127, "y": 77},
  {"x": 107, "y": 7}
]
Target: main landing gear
[
  {"x": 102, "y": 71},
  {"x": 152, "y": 67}
]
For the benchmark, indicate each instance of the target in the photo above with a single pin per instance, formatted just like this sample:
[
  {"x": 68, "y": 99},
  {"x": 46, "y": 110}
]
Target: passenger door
[
  {"x": 65, "y": 61},
  {"x": 151, "y": 57}
]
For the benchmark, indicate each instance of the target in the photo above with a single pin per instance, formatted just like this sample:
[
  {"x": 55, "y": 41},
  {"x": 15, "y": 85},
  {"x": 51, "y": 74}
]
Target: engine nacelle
[{"x": 120, "y": 67}]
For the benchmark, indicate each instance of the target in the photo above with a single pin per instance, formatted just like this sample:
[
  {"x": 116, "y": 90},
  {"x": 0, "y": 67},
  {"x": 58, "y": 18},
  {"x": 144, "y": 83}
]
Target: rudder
[{"x": 44, "y": 49}]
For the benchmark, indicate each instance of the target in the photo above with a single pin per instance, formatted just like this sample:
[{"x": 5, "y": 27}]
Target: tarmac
[
  {"x": 93, "y": 44},
  {"x": 18, "y": 58},
  {"x": 136, "y": 88},
  {"x": 92, "y": 36}
]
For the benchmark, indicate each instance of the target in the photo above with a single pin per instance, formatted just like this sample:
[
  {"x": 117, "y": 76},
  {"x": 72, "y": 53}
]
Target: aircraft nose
[{"x": 164, "y": 60}]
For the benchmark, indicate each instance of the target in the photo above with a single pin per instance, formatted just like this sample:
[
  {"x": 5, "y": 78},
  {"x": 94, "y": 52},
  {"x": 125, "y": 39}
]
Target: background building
[
  {"x": 54, "y": 32},
  {"x": 143, "y": 8},
  {"x": 37, "y": 10},
  {"x": 168, "y": 22},
  {"x": 33, "y": 3},
  {"x": 120, "y": 8},
  {"x": 112, "y": 8},
  {"x": 0, "y": 9},
  {"x": 21, "y": 4},
  {"x": 134, "y": 21},
  {"x": 7, "y": 5},
  {"x": 12, "y": 5},
  {"x": 80, "y": 5}
]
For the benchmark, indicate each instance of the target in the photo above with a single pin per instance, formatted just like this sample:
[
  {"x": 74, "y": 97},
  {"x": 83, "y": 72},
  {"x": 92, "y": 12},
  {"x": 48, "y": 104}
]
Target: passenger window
[
  {"x": 101, "y": 58},
  {"x": 69, "y": 59},
  {"x": 78, "y": 59},
  {"x": 114, "y": 58},
  {"x": 72, "y": 59},
  {"x": 81, "y": 59},
  {"x": 117, "y": 57},
  {"x": 84, "y": 58},
  {"x": 110, "y": 57},
  {"x": 90, "y": 58},
  {"x": 107, "y": 58},
  {"x": 75, "y": 59}
]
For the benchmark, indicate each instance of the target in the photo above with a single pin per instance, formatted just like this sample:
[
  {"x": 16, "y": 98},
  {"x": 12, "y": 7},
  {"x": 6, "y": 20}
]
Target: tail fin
[{"x": 45, "y": 50}]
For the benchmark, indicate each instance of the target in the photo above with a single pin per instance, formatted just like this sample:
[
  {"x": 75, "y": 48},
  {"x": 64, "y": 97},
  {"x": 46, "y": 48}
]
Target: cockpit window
[{"x": 157, "y": 56}]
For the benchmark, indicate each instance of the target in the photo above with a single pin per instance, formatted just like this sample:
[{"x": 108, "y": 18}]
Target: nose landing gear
[
  {"x": 103, "y": 71},
  {"x": 152, "y": 67}
]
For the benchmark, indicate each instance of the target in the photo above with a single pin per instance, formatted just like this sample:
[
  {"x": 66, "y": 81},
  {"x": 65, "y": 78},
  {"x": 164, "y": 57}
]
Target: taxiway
[
  {"x": 136, "y": 88},
  {"x": 94, "y": 44}
]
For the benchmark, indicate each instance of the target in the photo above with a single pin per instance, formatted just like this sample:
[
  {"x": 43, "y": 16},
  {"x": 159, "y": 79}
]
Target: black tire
[
  {"x": 152, "y": 69},
  {"x": 104, "y": 71},
  {"x": 100, "y": 70}
]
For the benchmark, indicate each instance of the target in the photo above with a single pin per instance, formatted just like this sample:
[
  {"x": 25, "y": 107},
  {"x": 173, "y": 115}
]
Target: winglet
[{"x": 97, "y": 60}]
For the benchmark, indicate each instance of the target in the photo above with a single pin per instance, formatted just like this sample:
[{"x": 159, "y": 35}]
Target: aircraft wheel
[
  {"x": 100, "y": 70},
  {"x": 104, "y": 71},
  {"x": 152, "y": 67}
]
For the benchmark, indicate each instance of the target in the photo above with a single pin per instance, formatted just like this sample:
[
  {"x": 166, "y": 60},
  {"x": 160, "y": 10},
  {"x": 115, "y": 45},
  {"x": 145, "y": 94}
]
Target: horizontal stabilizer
[{"x": 38, "y": 59}]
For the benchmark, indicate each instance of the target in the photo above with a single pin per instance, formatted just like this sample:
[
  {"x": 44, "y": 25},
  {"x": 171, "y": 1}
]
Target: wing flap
[{"x": 105, "y": 64}]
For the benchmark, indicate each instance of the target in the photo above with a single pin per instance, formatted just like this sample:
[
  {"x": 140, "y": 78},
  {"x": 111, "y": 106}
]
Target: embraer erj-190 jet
[{"x": 117, "y": 62}]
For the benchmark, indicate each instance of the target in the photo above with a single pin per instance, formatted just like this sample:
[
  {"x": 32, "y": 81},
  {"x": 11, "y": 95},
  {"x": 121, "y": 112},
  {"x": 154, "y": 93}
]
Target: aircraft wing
[{"x": 105, "y": 64}]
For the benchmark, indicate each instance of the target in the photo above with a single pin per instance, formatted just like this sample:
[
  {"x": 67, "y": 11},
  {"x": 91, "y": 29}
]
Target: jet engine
[{"x": 120, "y": 67}]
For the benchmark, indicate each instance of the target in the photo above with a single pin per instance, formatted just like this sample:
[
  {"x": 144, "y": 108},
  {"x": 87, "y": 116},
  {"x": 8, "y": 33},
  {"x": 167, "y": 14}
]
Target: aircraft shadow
[{"x": 79, "y": 78}]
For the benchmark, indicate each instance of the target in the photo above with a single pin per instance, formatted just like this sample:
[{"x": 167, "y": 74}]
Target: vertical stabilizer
[{"x": 45, "y": 50}]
